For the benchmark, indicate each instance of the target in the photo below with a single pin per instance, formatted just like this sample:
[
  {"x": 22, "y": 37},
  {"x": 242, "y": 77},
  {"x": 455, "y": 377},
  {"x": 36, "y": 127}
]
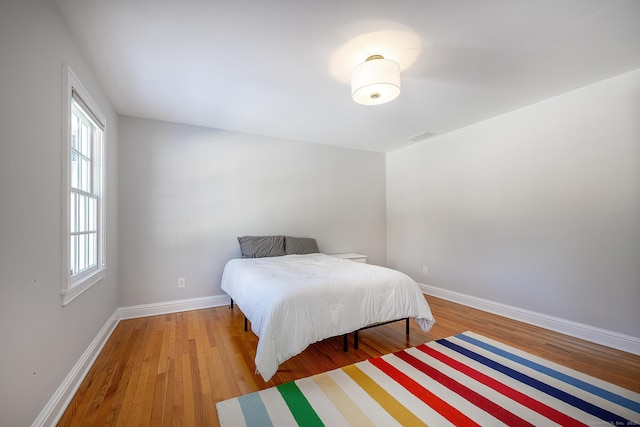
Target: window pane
[
  {"x": 82, "y": 263},
  {"x": 87, "y": 213},
  {"x": 85, "y": 175},
  {"x": 74, "y": 169},
  {"x": 87, "y": 204},
  {"x": 79, "y": 173},
  {"x": 75, "y": 123},
  {"x": 73, "y": 210},
  {"x": 92, "y": 250},
  {"x": 92, "y": 215},
  {"x": 74, "y": 254},
  {"x": 84, "y": 139},
  {"x": 82, "y": 212}
]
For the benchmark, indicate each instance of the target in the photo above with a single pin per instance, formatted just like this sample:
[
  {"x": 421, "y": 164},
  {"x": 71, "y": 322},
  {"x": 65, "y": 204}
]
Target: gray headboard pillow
[
  {"x": 300, "y": 245},
  {"x": 261, "y": 246}
]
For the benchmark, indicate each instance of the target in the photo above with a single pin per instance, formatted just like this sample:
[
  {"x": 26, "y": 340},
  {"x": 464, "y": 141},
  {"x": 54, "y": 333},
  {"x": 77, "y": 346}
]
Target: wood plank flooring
[{"x": 172, "y": 369}]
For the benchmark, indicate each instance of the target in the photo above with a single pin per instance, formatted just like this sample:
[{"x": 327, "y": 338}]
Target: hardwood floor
[{"x": 172, "y": 369}]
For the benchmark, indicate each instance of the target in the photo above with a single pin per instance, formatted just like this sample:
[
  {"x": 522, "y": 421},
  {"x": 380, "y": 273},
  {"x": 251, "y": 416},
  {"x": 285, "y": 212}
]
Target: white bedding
[{"x": 295, "y": 300}]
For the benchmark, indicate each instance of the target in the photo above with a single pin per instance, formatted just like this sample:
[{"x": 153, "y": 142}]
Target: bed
[{"x": 295, "y": 299}]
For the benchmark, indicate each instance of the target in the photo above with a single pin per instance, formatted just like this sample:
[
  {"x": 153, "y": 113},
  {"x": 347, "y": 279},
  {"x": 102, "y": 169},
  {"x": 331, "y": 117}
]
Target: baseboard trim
[
  {"x": 592, "y": 334},
  {"x": 154, "y": 309},
  {"x": 53, "y": 411}
]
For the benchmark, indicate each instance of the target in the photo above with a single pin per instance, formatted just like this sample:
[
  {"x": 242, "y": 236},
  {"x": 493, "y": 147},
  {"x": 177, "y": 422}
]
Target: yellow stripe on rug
[
  {"x": 384, "y": 399},
  {"x": 345, "y": 405}
]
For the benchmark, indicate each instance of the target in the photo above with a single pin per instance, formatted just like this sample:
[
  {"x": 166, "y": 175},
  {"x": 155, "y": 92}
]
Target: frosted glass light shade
[{"x": 375, "y": 81}]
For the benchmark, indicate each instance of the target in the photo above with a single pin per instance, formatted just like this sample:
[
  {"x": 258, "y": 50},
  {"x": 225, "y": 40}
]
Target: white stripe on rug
[{"x": 553, "y": 381}]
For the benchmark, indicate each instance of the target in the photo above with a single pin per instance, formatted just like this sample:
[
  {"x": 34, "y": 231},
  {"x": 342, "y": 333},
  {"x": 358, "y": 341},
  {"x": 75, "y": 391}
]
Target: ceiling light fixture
[{"x": 375, "y": 81}]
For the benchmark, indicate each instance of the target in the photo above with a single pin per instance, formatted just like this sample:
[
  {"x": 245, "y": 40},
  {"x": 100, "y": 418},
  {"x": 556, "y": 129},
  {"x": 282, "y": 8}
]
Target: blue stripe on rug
[
  {"x": 576, "y": 382},
  {"x": 254, "y": 411},
  {"x": 585, "y": 406}
]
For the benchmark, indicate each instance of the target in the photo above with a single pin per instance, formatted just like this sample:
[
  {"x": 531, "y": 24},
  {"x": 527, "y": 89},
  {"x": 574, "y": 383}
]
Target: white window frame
[{"x": 74, "y": 285}]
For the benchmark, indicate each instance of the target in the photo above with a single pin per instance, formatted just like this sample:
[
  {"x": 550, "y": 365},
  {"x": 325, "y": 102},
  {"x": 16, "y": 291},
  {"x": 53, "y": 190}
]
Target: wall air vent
[{"x": 420, "y": 136}]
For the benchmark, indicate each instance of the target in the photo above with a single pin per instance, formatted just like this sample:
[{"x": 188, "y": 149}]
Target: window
[{"x": 83, "y": 172}]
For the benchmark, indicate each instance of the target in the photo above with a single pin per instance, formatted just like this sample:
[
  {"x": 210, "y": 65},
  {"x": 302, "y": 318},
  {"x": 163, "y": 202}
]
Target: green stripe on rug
[{"x": 299, "y": 405}]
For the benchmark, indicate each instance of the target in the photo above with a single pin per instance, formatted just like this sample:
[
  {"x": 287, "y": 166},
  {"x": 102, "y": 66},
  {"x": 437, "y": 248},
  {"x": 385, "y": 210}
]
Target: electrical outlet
[
  {"x": 424, "y": 270},
  {"x": 182, "y": 283}
]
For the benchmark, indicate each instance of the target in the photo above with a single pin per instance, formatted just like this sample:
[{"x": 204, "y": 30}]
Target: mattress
[{"x": 293, "y": 301}]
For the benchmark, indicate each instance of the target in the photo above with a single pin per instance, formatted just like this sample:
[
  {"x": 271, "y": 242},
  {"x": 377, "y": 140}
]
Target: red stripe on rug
[
  {"x": 477, "y": 399},
  {"x": 443, "y": 408},
  {"x": 523, "y": 399}
]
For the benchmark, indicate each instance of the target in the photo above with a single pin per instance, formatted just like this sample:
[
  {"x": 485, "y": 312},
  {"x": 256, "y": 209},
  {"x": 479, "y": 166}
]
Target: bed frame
[{"x": 345, "y": 345}]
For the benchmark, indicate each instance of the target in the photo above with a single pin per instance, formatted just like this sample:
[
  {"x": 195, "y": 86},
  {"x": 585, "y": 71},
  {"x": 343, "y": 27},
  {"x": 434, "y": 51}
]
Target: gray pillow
[
  {"x": 261, "y": 246},
  {"x": 300, "y": 245}
]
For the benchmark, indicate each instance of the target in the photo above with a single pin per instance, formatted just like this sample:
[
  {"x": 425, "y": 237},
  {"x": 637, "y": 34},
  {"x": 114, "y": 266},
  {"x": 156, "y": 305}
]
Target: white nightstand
[{"x": 352, "y": 256}]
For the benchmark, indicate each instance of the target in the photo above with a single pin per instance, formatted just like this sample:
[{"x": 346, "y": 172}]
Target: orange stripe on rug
[{"x": 384, "y": 399}]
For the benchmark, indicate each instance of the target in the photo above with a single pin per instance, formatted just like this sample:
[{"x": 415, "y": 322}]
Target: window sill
[{"x": 74, "y": 292}]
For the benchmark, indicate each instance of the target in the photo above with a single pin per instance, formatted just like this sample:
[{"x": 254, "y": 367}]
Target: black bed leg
[
  {"x": 407, "y": 326},
  {"x": 345, "y": 344},
  {"x": 355, "y": 340},
  {"x": 231, "y": 303},
  {"x": 245, "y": 323}
]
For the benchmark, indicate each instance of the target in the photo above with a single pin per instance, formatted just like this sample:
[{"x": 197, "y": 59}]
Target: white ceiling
[{"x": 282, "y": 67}]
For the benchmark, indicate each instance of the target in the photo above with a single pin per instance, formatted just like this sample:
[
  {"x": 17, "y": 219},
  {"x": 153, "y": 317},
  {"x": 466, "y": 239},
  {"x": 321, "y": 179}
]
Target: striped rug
[{"x": 464, "y": 380}]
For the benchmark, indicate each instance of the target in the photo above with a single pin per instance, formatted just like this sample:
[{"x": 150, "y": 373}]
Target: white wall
[
  {"x": 187, "y": 193},
  {"x": 41, "y": 340},
  {"x": 538, "y": 208}
]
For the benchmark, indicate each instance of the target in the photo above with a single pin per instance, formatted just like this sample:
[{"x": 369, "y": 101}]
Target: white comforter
[{"x": 295, "y": 300}]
